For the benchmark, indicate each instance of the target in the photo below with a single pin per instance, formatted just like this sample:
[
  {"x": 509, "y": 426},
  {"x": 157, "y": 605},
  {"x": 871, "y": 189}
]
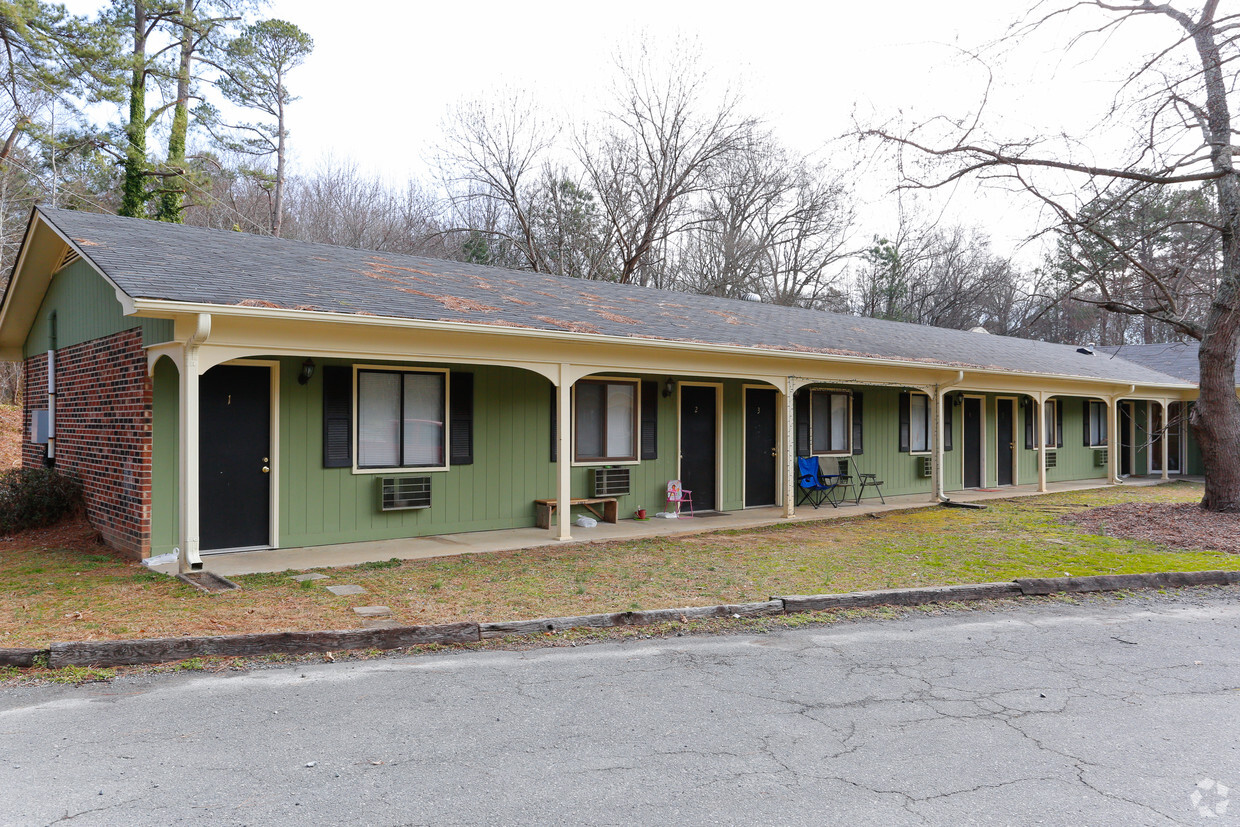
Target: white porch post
[
  {"x": 1163, "y": 437},
  {"x": 1039, "y": 419},
  {"x": 936, "y": 452},
  {"x": 789, "y": 453},
  {"x": 189, "y": 558},
  {"x": 563, "y": 455}
]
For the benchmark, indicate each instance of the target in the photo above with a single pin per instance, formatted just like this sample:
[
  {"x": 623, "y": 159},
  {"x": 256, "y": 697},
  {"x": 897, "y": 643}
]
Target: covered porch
[{"x": 485, "y": 542}]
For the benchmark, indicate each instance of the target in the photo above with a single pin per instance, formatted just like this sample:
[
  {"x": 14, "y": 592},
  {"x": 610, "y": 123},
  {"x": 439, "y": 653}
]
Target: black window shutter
[
  {"x": 857, "y": 447},
  {"x": 337, "y": 416},
  {"x": 1030, "y": 416},
  {"x": 555, "y": 437},
  {"x": 802, "y": 423},
  {"x": 1085, "y": 419},
  {"x": 650, "y": 420},
  {"x": 461, "y": 419},
  {"x": 1059, "y": 424},
  {"x": 904, "y": 422},
  {"x": 947, "y": 423}
]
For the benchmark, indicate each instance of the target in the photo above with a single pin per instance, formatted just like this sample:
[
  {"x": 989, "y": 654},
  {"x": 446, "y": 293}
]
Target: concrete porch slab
[{"x": 484, "y": 542}]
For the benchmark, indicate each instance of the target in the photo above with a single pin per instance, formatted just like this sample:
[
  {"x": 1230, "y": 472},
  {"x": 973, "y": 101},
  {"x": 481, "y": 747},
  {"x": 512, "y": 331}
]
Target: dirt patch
[{"x": 1177, "y": 525}]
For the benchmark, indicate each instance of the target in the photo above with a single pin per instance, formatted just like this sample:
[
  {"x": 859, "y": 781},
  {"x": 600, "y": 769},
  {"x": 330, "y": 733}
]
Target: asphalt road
[{"x": 1103, "y": 712}]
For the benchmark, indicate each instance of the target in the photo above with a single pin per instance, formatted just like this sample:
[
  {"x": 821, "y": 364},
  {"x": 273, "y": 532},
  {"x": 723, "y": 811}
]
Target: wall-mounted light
[
  {"x": 669, "y": 387},
  {"x": 307, "y": 371},
  {"x": 957, "y": 399}
]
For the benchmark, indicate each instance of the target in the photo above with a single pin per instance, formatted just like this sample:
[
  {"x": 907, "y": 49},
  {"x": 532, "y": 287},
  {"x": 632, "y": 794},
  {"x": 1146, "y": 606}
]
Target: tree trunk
[
  {"x": 277, "y": 219},
  {"x": 170, "y": 202},
  {"x": 133, "y": 193}
]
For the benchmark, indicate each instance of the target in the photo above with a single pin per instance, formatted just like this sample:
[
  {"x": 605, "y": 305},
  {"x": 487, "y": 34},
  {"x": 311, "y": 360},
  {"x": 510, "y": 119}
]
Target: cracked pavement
[{"x": 1108, "y": 710}]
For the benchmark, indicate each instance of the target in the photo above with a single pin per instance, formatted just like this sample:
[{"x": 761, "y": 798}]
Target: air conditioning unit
[
  {"x": 611, "y": 482},
  {"x": 925, "y": 467},
  {"x": 404, "y": 493},
  {"x": 1051, "y": 459},
  {"x": 1100, "y": 457}
]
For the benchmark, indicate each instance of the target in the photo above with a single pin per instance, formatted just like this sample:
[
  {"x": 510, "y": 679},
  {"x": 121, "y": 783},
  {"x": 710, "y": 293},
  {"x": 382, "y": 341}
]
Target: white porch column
[
  {"x": 189, "y": 558},
  {"x": 563, "y": 454},
  {"x": 1163, "y": 437},
  {"x": 936, "y": 450},
  {"x": 1039, "y": 419},
  {"x": 790, "y": 448}
]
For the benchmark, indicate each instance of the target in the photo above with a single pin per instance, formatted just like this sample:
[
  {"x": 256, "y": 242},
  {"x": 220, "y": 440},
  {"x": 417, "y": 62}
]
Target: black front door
[
  {"x": 759, "y": 447},
  {"x": 697, "y": 444},
  {"x": 1126, "y": 423},
  {"x": 234, "y": 457},
  {"x": 1005, "y": 440},
  {"x": 972, "y": 443}
]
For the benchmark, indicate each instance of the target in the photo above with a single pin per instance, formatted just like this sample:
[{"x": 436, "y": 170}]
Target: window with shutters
[
  {"x": 401, "y": 419},
  {"x": 1052, "y": 428},
  {"x": 830, "y": 422},
  {"x": 605, "y": 420},
  {"x": 919, "y": 419},
  {"x": 1097, "y": 423}
]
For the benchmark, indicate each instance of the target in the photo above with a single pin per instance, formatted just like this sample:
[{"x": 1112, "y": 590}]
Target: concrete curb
[{"x": 162, "y": 650}]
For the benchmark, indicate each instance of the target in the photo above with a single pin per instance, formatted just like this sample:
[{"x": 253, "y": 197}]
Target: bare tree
[
  {"x": 489, "y": 160},
  {"x": 1178, "y": 101},
  {"x": 661, "y": 140}
]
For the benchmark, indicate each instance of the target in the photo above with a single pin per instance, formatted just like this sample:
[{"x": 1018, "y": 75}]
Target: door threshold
[{"x": 204, "y": 553}]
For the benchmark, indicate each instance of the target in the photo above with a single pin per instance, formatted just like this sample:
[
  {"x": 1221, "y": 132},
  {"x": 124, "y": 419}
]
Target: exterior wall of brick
[{"x": 103, "y": 432}]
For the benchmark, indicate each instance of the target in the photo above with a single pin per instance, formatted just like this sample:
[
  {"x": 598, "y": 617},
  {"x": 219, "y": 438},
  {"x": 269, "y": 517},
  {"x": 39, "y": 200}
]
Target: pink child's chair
[{"x": 677, "y": 494}]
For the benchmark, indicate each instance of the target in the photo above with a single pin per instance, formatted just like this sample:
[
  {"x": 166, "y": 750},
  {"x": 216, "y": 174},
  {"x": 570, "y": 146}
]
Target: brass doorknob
[{"x": 266, "y": 469}]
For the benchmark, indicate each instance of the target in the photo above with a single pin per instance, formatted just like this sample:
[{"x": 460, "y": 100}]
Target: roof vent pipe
[
  {"x": 1088, "y": 350},
  {"x": 752, "y": 297}
]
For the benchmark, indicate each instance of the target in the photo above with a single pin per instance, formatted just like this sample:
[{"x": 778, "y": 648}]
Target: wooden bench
[{"x": 547, "y": 508}]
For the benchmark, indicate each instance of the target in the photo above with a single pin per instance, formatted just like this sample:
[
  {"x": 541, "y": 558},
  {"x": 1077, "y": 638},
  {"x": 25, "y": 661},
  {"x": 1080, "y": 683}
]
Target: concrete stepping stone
[
  {"x": 372, "y": 611},
  {"x": 344, "y": 591},
  {"x": 314, "y": 575}
]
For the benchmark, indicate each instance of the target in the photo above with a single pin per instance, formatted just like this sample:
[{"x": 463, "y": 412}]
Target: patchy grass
[{"x": 49, "y": 592}]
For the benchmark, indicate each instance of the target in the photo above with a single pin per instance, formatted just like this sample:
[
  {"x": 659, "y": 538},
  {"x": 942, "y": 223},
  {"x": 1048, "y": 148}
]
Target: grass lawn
[{"x": 48, "y": 593}]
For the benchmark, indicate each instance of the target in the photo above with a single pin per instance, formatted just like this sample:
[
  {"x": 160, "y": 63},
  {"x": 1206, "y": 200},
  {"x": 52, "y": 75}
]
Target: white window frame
[
  {"x": 447, "y": 406},
  {"x": 1103, "y": 424},
  {"x": 635, "y": 459},
  {"x": 848, "y": 419},
  {"x": 929, "y": 434},
  {"x": 1051, "y": 434}
]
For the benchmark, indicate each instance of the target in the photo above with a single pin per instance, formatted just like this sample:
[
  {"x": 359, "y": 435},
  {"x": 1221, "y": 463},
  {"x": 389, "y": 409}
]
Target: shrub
[{"x": 35, "y": 497}]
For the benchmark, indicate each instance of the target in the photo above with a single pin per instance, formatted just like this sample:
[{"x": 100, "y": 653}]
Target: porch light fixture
[
  {"x": 307, "y": 371},
  {"x": 957, "y": 398},
  {"x": 669, "y": 387}
]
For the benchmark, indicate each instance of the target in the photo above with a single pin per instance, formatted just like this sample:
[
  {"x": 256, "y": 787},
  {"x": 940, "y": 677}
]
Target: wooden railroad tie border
[{"x": 162, "y": 650}]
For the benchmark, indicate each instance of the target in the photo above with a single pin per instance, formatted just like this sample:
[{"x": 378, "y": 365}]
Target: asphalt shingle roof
[
  {"x": 154, "y": 260},
  {"x": 1178, "y": 359}
]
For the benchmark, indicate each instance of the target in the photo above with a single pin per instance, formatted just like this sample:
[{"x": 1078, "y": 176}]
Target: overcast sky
[{"x": 383, "y": 74}]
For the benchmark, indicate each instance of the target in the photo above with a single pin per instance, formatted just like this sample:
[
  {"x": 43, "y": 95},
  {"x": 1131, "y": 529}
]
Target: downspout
[
  {"x": 51, "y": 408},
  {"x": 939, "y": 439}
]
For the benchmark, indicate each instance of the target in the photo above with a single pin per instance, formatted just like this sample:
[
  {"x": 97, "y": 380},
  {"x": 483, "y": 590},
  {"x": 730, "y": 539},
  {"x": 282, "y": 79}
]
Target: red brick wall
[{"x": 103, "y": 432}]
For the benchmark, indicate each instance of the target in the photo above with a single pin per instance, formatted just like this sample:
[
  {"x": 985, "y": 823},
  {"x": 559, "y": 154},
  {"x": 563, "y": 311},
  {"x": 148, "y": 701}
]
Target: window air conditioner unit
[
  {"x": 404, "y": 493},
  {"x": 1100, "y": 457},
  {"x": 1051, "y": 459},
  {"x": 611, "y": 482},
  {"x": 924, "y": 467}
]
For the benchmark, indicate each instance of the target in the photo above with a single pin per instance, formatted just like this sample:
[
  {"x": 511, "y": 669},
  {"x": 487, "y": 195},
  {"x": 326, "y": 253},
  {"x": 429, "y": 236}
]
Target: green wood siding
[
  {"x": 86, "y": 308},
  {"x": 165, "y": 458}
]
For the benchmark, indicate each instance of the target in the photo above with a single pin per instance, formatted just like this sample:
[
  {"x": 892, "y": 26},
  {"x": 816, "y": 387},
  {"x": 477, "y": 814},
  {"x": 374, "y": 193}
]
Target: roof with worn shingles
[
  {"x": 1178, "y": 359},
  {"x": 174, "y": 262}
]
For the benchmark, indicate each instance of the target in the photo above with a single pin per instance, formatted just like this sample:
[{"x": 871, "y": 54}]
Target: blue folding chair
[{"x": 813, "y": 486}]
